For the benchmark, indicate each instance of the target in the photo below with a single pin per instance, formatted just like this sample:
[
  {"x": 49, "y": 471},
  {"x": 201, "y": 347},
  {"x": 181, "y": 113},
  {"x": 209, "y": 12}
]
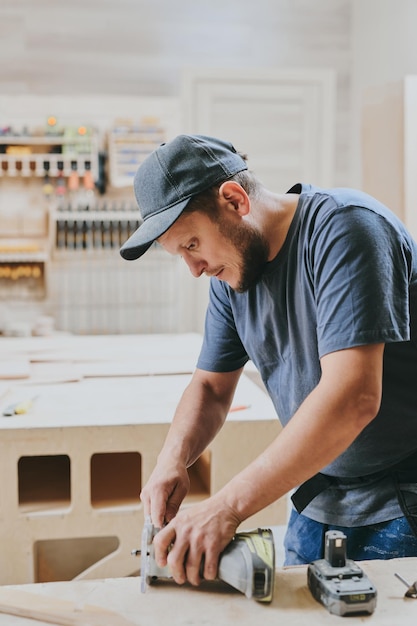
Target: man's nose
[{"x": 196, "y": 266}]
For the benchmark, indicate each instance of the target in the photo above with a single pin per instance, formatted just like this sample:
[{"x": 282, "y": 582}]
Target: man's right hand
[
  {"x": 164, "y": 492},
  {"x": 199, "y": 416}
]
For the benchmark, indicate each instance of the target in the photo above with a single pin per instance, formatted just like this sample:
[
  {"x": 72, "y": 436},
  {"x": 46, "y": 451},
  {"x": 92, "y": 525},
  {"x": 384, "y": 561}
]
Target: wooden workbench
[
  {"x": 76, "y": 461},
  {"x": 216, "y": 603}
]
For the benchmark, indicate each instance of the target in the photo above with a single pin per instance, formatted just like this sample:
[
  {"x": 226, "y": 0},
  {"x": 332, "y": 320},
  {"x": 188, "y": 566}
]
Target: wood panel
[
  {"x": 389, "y": 140},
  {"x": 76, "y": 461},
  {"x": 212, "y": 602}
]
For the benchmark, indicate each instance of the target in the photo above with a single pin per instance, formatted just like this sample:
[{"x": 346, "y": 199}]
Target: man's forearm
[
  {"x": 327, "y": 422},
  {"x": 199, "y": 416}
]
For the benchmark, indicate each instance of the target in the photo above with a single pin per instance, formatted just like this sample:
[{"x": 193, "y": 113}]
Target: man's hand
[
  {"x": 192, "y": 542},
  {"x": 164, "y": 492},
  {"x": 199, "y": 416}
]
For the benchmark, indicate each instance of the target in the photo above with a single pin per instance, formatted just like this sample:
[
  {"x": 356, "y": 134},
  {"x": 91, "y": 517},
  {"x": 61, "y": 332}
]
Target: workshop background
[
  {"x": 320, "y": 91},
  {"x": 290, "y": 83}
]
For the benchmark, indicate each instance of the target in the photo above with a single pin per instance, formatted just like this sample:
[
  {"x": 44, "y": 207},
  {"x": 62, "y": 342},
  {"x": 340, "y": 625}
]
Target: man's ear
[{"x": 233, "y": 195}]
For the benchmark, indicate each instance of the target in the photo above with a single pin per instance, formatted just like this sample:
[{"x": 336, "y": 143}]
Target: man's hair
[{"x": 206, "y": 201}]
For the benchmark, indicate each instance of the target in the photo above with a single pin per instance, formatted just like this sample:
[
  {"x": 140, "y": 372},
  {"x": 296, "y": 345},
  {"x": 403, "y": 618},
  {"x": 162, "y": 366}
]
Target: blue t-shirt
[{"x": 345, "y": 276}]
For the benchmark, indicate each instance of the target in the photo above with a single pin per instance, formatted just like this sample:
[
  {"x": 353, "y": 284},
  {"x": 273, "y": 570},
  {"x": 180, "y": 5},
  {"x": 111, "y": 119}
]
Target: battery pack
[{"x": 339, "y": 583}]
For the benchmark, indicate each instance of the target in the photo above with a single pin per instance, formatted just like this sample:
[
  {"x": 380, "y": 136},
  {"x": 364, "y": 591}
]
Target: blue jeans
[{"x": 304, "y": 540}]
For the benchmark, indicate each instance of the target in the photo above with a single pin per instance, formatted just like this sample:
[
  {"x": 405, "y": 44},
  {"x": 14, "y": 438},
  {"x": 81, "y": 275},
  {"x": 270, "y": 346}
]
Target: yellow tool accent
[
  {"x": 23, "y": 407},
  {"x": 19, "y": 408}
]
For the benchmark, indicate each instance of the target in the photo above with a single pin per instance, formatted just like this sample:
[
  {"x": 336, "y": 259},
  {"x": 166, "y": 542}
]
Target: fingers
[
  {"x": 187, "y": 557},
  {"x": 191, "y": 543},
  {"x": 153, "y": 508},
  {"x": 162, "y": 543},
  {"x": 210, "y": 565},
  {"x": 174, "y": 502},
  {"x": 157, "y": 510},
  {"x": 162, "y": 509},
  {"x": 162, "y": 497},
  {"x": 185, "y": 562}
]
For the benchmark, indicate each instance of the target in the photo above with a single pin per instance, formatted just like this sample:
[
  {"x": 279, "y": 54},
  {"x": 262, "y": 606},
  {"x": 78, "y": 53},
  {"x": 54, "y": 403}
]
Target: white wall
[
  {"x": 384, "y": 50},
  {"x": 141, "y": 47}
]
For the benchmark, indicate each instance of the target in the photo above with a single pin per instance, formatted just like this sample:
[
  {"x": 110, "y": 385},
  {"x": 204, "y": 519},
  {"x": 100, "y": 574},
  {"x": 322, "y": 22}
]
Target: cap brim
[{"x": 152, "y": 228}]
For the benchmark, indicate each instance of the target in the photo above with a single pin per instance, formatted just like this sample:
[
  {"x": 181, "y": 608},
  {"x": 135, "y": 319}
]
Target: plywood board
[
  {"x": 77, "y": 459},
  {"x": 14, "y": 368},
  {"x": 216, "y": 603},
  {"x": 55, "y": 611},
  {"x": 122, "y": 400}
]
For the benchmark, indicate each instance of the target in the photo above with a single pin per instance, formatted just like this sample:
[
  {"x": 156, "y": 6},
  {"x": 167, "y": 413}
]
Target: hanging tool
[
  {"x": 47, "y": 184},
  {"x": 339, "y": 583},
  {"x": 247, "y": 563}
]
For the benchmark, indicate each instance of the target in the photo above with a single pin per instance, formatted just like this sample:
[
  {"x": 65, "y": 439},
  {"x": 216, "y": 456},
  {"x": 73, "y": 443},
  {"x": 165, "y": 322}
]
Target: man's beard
[{"x": 253, "y": 250}]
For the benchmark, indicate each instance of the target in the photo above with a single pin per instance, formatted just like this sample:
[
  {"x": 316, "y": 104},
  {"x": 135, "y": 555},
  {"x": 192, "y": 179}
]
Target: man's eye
[{"x": 191, "y": 246}]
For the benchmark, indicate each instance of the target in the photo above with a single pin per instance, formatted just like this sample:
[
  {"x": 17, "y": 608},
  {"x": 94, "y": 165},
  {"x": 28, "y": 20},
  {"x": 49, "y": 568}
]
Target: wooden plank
[
  {"x": 14, "y": 368},
  {"x": 217, "y": 603},
  {"x": 55, "y": 610}
]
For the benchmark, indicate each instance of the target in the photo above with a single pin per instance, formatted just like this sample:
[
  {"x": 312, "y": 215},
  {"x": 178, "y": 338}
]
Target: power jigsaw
[{"x": 247, "y": 563}]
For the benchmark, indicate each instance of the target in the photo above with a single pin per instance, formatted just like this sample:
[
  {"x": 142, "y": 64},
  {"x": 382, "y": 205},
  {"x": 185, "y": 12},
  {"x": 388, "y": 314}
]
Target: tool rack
[
  {"x": 29, "y": 163},
  {"x": 59, "y": 248}
]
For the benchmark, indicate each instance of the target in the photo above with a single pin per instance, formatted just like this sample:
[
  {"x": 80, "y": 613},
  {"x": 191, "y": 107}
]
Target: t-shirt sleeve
[
  {"x": 360, "y": 267},
  {"x": 222, "y": 350}
]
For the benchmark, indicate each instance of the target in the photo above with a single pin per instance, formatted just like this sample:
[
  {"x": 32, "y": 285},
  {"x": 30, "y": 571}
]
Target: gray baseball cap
[{"x": 170, "y": 176}]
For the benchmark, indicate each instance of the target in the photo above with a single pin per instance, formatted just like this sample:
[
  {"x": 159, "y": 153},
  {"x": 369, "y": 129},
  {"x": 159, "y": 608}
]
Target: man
[{"x": 319, "y": 289}]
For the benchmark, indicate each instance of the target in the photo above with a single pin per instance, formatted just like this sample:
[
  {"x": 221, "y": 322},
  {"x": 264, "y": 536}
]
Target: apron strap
[{"x": 405, "y": 471}]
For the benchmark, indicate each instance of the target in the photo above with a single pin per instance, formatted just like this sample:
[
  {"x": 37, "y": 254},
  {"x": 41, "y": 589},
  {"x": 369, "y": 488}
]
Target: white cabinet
[{"x": 283, "y": 120}]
